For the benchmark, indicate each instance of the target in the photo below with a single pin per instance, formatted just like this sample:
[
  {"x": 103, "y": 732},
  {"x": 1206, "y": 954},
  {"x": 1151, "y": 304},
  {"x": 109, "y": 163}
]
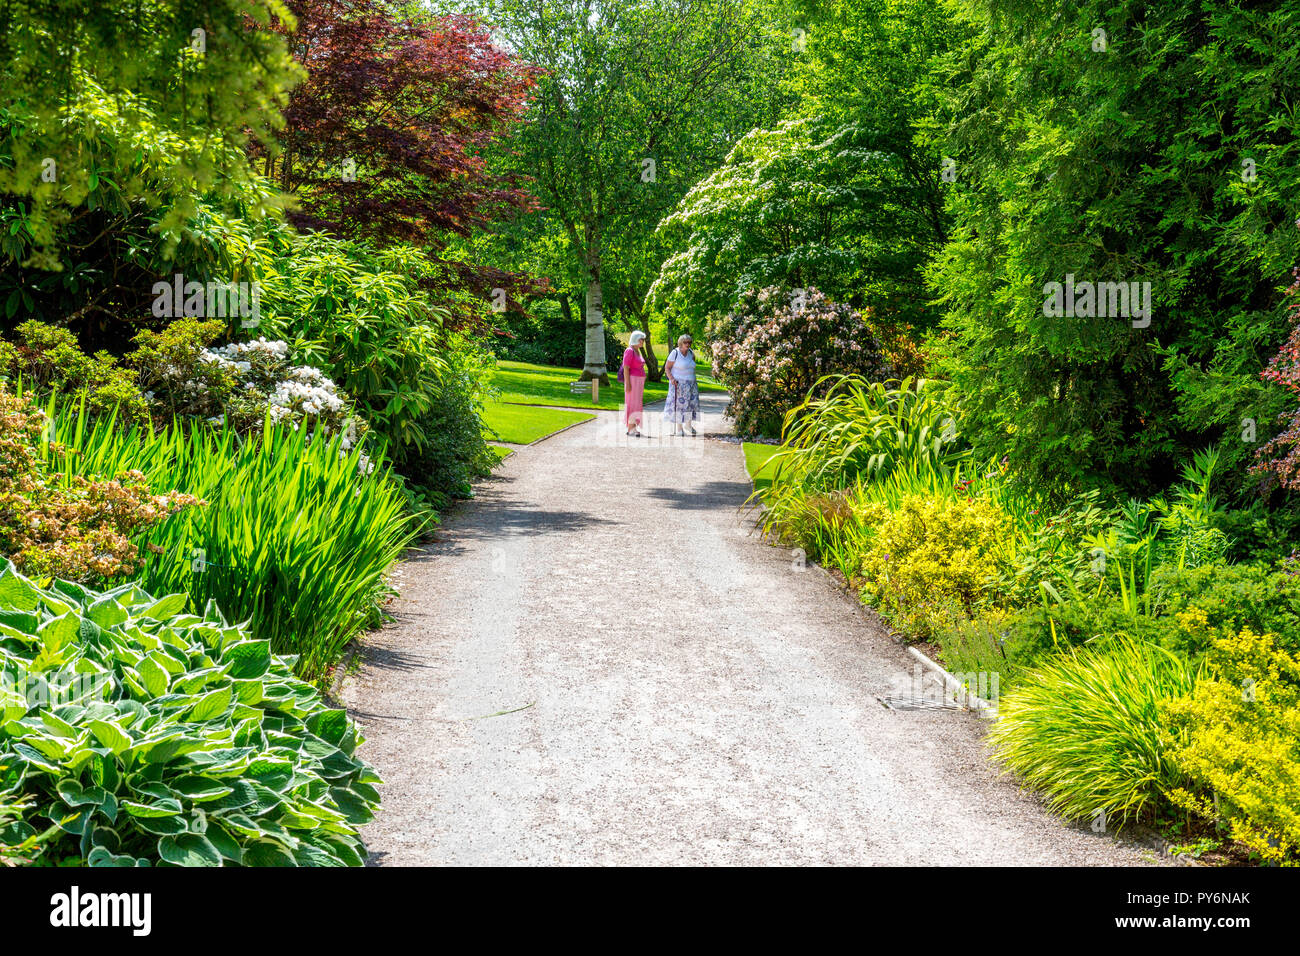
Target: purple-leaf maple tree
[{"x": 385, "y": 139}]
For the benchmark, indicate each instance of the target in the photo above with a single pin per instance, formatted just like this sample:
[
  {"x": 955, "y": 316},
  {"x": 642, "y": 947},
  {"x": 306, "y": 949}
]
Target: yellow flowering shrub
[
  {"x": 1237, "y": 735},
  {"x": 930, "y": 561}
]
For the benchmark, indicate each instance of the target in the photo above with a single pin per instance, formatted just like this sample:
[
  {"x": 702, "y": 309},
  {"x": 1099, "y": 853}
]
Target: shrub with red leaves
[
  {"x": 386, "y": 139},
  {"x": 1280, "y": 458}
]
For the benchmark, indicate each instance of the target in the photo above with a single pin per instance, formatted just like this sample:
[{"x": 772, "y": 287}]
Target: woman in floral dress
[{"x": 682, "y": 407}]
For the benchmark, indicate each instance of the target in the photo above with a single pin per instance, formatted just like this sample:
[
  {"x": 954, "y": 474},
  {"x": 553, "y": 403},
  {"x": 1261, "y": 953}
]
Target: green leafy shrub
[
  {"x": 1085, "y": 728},
  {"x": 446, "y": 465},
  {"x": 776, "y": 346},
  {"x": 140, "y": 150},
  {"x": 1128, "y": 545},
  {"x": 1238, "y": 740},
  {"x": 1035, "y": 633},
  {"x": 1188, "y": 608},
  {"x": 1228, "y": 598},
  {"x": 296, "y": 537},
  {"x": 1051, "y": 547},
  {"x": 1257, "y": 534},
  {"x": 366, "y": 319},
  {"x": 149, "y": 736},
  {"x": 47, "y": 358}
]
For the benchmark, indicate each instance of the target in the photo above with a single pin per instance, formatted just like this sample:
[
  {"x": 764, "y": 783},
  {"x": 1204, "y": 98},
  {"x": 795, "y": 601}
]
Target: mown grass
[
  {"x": 525, "y": 424},
  {"x": 757, "y": 459}
]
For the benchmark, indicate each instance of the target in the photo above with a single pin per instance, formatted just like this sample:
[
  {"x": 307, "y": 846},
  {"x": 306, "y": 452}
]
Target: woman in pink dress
[{"x": 633, "y": 383}]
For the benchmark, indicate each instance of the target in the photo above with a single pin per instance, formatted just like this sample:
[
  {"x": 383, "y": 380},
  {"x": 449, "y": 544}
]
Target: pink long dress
[{"x": 633, "y": 386}]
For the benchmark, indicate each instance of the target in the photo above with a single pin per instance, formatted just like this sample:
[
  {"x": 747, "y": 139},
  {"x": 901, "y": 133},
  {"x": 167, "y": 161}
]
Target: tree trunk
[
  {"x": 593, "y": 314},
  {"x": 653, "y": 372}
]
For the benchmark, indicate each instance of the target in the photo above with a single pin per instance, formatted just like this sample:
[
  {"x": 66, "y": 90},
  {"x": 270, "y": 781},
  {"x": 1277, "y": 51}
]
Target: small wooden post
[{"x": 595, "y": 390}]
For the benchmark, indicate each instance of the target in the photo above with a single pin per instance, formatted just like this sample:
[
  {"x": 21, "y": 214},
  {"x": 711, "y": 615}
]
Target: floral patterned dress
[{"x": 683, "y": 402}]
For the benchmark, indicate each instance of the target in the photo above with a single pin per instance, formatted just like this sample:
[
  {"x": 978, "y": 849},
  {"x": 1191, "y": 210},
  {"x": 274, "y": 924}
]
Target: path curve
[{"x": 690, "y": 696}]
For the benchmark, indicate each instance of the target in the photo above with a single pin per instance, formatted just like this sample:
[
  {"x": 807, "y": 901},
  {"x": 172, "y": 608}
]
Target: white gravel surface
[{"x": 690, "y": 694}]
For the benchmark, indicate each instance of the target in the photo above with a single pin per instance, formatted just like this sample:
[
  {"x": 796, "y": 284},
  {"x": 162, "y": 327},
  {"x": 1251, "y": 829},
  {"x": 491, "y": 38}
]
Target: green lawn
[
  {"x": 756, "y": 462},
  {"x": 525, "y": 424},
  {"x": 501, "y": 451},
  {"x": 548, "y": 385}
]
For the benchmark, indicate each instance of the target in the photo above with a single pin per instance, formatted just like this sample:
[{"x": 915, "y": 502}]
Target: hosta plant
[{"x": 146, "y": 735}]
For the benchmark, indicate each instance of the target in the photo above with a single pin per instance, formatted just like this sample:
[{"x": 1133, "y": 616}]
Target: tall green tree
[
  {"x": 132, "y": 101},
  {"x": 637, "y": 101},
  {"x": 1133, "y": 143},
  {"x": 124, "y": 127}
]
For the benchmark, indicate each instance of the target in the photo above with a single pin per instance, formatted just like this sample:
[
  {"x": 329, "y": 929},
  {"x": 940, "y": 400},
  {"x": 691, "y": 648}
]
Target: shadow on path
[{"x": 706, "y": 497}]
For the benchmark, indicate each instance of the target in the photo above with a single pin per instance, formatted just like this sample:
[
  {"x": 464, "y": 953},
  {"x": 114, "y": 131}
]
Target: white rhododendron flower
[{"x": 245, "y": 384}]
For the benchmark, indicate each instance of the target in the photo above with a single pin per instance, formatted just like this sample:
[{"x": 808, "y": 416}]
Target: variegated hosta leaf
[{"x": 135, "y": 733}]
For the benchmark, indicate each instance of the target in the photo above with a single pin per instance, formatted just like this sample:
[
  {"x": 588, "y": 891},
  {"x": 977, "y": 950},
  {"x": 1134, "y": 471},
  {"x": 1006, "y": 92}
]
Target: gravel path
[{"x": 690, "y": 695}]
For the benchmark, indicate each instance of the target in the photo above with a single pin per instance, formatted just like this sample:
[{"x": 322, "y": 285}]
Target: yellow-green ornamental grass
[{"x": 1087, "y": 730}]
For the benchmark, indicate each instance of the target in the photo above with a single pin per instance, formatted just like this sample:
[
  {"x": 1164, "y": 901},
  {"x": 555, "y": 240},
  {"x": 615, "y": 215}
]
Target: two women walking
[{"x": 682, "y": 406}]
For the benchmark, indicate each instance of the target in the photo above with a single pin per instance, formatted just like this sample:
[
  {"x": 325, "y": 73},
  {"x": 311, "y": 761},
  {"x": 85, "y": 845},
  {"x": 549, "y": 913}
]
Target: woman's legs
[
  {"x": 675, "y": 406},
  {"x": 683, "y": 410},
  {"x": 633, "y": 391}
]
